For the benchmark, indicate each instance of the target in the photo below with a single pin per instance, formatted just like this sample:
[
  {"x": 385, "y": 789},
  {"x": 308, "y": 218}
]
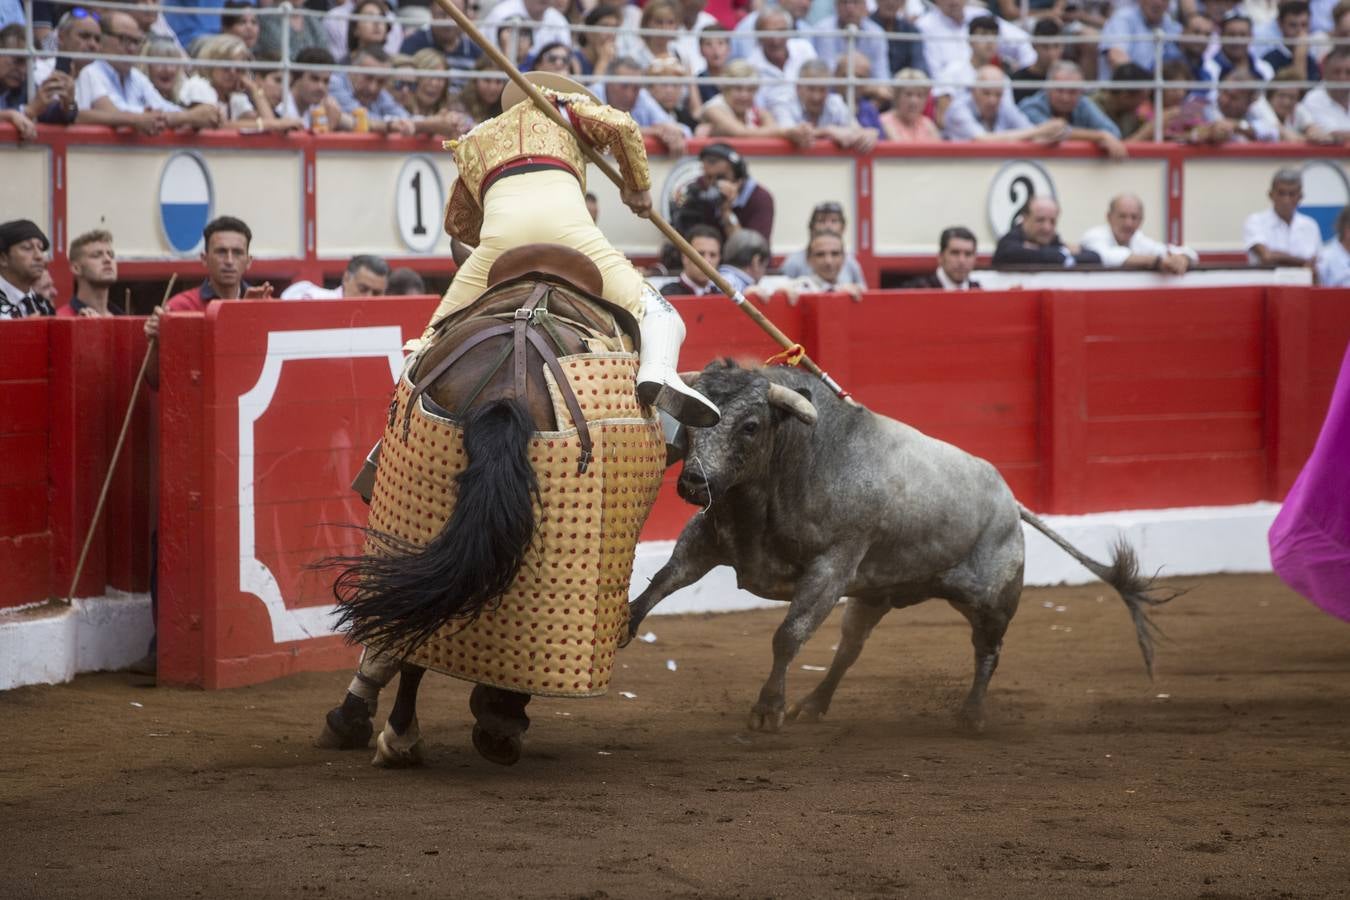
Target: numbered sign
[
  {"x": 185, "y": 200},
  {"x": 1012, "y": 186},
  {"x": 419, "y": 202}
]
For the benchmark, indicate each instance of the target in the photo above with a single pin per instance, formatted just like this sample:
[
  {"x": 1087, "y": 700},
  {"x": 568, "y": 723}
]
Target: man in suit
[{"x": 956, "y": 260}]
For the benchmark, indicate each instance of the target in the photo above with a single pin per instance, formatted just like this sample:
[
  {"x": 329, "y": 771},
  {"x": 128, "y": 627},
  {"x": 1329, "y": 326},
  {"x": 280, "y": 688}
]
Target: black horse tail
[
  {"x": 398, "y": 599},
  {"x": 1137, "y": 591}
]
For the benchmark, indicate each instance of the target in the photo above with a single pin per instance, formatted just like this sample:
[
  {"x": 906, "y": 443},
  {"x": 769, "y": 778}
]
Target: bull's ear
[{"x": 792, "y": 402}]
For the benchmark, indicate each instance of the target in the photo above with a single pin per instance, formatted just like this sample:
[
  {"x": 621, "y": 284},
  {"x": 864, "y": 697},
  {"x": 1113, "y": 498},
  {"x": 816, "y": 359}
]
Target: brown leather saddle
[{"x": 543, "y": 302}]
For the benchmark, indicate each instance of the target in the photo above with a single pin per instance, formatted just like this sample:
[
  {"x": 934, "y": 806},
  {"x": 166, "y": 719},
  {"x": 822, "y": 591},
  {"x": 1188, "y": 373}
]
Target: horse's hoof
[
  {"x": 398, "y": 751},
  {"x": 971, "y": 719},
  {"x": 808, "y": 711},
  {"x": 504, "y": 751},
  {"x": 340, "y": 733},
  {"x": 764, "y": 718}
]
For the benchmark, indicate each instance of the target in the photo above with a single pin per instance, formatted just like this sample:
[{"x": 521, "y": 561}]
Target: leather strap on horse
[{"x": 523, "y": 333}]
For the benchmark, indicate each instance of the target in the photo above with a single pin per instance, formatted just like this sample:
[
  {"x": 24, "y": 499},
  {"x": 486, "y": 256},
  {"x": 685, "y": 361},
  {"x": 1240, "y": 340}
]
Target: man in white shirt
[
  {"x": 1121, "y": 244},
  {"x": 1324, "y": 114},
  {"x": 1333, "y": 261},
  {"x": 778, "y": 60},
  {"x": 1281, "y": 235},
  {"x": 794, "y": 19},
  {"x": 870, "y": 39},
  {"x": 550, "y": 25},
  {"x": 824, "y": 111},
  {"x": 118, "y": 93},
  {"x": 944, "y": 30},
  {"x": 366, "y": 276}
]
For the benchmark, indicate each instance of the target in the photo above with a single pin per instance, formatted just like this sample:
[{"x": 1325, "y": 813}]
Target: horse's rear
[{"x": 516, "y": 472}]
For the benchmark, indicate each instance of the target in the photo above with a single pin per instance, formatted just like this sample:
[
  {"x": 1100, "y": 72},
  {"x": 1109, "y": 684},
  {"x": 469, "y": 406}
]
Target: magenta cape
[{"x": 1310, "y": 540}]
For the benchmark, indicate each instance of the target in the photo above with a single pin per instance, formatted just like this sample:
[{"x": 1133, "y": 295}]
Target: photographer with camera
[{"x": 724, "y": 197}]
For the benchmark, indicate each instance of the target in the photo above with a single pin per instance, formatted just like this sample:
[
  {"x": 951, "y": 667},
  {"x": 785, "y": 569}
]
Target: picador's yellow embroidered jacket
[{"x": 524, "y": 131}]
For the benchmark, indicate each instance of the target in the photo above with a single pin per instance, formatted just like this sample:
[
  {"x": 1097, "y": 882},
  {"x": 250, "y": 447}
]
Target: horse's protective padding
[{"x": 555, "y": 632}]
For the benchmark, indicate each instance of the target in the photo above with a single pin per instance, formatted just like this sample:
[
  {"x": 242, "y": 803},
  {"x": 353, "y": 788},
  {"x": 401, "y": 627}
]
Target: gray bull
[{"x": 811, "y": 499}]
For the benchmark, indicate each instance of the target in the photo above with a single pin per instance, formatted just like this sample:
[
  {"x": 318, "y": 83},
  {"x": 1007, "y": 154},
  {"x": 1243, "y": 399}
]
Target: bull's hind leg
[
  {"x": 349, "y": 726},
  {"x": 498, "y": 733},
  {"x": 400, "y": 743},
  {"x": 988, "y": 623},
  {"x": 860, "y": 617}
]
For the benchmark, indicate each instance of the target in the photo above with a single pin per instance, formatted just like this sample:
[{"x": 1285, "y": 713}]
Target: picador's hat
[{"x": 551, "y": 80}]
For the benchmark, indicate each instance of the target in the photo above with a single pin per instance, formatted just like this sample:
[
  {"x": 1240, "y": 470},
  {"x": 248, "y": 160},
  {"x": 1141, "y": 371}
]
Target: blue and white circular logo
[
  {"x": 1325, "y": 192},
  {"x": 185, "y": 200}
]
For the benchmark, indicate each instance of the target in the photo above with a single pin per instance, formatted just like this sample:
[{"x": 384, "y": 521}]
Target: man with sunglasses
[{"x": 116, "y": 93}]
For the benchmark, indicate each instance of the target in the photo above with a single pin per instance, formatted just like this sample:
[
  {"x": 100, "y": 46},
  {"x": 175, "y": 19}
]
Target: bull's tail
[
  {"x": 1122, "y": 574},
  {"x": 397, "y": 599}
]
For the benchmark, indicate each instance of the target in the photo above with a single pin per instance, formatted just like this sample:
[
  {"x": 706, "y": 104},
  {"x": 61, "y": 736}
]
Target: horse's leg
[
  {"x": 348, "y": 727},
  {"x": 400, "y": 743},
  {"x": 501, "y": 723}
]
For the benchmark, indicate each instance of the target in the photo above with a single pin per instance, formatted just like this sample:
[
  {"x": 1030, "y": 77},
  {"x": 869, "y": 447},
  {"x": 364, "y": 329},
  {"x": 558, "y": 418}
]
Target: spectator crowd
[
  {"x": 852, "y": 72},
  {"x": 849, "y": 72}
]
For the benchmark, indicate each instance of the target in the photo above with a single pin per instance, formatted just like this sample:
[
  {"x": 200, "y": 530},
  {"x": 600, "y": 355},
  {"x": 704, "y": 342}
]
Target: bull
[{"x": 811, "y": 499}]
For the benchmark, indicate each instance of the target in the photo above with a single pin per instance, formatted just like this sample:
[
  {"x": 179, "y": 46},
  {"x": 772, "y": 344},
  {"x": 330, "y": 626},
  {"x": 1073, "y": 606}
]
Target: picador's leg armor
[{"x": 658, "y": 381}]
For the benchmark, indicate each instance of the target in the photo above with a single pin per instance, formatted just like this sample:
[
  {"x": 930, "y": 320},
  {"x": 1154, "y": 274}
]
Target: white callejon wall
[{"x": 51, "y": 644}]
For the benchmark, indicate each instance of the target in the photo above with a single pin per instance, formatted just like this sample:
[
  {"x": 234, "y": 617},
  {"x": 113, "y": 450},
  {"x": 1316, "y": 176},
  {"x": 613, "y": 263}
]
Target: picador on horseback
[{"x": 522, "y": 452}]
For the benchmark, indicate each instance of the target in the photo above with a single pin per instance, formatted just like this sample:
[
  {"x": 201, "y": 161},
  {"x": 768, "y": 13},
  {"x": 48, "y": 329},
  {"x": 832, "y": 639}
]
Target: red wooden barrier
[{"x": 1085, "y": 401}]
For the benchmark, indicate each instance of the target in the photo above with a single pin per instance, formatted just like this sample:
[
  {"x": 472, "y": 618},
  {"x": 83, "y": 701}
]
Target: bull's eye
[{"x": 749, "y": 428}]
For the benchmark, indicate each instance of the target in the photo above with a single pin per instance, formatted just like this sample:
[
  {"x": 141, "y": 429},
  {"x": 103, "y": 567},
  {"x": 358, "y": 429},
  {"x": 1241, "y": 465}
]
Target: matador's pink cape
[{"x": 1310, "y": 540}]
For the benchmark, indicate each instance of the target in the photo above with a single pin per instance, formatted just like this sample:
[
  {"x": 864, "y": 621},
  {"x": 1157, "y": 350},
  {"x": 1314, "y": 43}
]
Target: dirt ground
[{"x": 1228, "y": 776}]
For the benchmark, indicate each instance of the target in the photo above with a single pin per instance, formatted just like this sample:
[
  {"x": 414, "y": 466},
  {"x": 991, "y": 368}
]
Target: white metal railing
[{"x": 850, "y": 81}]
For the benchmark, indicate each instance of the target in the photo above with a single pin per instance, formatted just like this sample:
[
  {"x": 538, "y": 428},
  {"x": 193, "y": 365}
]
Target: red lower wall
[{"x": 1085, "y": 401}]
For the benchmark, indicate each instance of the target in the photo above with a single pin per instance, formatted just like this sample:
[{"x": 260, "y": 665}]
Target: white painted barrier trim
[
  {"x": 49, "y": 646},
  {"x": 1200, "y": 540}
]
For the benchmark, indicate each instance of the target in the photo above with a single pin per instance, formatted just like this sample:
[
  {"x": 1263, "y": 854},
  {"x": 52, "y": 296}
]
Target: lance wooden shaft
[{"x": 538, "y": 99}]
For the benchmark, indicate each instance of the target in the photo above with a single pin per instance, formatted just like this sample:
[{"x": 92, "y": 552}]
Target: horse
[{"x": 516, "y": 471}]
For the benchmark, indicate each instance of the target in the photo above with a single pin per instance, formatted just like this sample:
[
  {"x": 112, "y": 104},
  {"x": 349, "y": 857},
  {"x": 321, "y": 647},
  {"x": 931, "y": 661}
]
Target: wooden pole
[
  {"x": 490, "y": 48},
  {"x": 117, "y": 450}
]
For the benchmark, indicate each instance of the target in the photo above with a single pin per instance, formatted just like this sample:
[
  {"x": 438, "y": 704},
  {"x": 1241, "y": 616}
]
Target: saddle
[{"x": 543, "y": 302}]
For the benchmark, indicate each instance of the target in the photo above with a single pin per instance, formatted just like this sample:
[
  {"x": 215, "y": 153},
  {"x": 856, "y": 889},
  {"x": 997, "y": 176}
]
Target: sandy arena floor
[{"x": 1227, "y": 777}]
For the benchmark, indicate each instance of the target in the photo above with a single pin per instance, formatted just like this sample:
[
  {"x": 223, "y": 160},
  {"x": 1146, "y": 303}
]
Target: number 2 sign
[
  {"x": 419, "y": 200},
  {"x": 1016, "y": 182}
]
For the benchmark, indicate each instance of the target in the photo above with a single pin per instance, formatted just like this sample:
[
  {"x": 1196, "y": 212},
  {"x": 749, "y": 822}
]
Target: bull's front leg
[
  {"x": 694, "y": 556},
  {"x": 816, "y": 594}
]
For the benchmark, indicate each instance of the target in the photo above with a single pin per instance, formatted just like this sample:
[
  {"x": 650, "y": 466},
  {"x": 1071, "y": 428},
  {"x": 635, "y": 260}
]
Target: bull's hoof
[
  {"x": 502, "y": 750},
  {"x": 766, "y": 718},
  {"x": 341, "y": 733},
  {"x": 809, "y": 710},
  {"x": 398, "y": 751}
]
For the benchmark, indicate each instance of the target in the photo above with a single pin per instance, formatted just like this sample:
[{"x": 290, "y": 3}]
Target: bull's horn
[{"x": 792, "y": 402}]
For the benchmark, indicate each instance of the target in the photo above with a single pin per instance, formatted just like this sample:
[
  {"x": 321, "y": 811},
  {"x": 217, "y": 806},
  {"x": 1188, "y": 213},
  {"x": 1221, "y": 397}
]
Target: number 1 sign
[{"x": 419, "y": 200}]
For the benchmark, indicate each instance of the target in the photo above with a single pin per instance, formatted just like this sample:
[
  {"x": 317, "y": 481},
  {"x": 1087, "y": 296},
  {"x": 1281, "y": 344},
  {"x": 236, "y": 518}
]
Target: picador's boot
[{"x": 658, "y": 382}]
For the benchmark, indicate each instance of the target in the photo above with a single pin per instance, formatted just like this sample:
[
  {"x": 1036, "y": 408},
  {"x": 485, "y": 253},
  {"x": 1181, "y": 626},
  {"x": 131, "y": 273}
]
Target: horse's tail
[
  {"x": 398, "y": 599},
  {"x": 1122, "y": 574}
]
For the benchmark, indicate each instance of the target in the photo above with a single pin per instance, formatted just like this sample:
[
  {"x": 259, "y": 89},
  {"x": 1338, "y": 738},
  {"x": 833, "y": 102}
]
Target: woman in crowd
[
  {"x": 305, "y": 31},
  {"x": 403, "y": 86},
  {"x": 365, "y": 35},
  {"x": 674, "y": 96},
  {"x": 905, "y": 120},
  {"x": 240, "y": 18},
  {"x": 1179, "y": 113},
  {"x": 733, "y": 112},
  {"x": 233, "y": 91},
  {"x": 1279, "y": 103},
  {"x": 514, "y": 38},
  {"x": 662, "y": 16},
  {"x": 596, "y": 50},
  {"x": 166, "y": 77},
  {"x": 556, "y": 57},
  {"x": 430, "y": 95},
  {"x": 482, "y": 97}
]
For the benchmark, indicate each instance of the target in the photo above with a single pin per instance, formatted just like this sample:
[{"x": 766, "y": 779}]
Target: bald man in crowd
[
  {"x": 1121, "y": 244},
  {"x": 1035, "y": 240}
]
